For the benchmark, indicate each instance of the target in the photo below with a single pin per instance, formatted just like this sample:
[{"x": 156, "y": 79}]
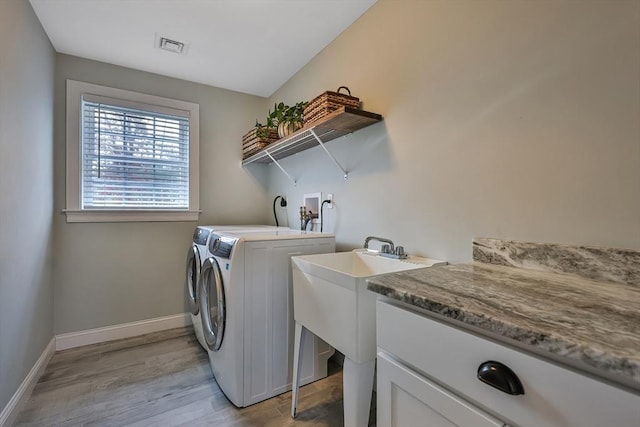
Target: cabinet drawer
[
  {"x": 406, "y": 399},
  {"x": 553, "y": 396}
]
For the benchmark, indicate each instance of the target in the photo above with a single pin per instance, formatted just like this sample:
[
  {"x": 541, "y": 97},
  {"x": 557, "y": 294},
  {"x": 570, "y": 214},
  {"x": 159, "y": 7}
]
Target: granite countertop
[{"x": 590, "y": 324}]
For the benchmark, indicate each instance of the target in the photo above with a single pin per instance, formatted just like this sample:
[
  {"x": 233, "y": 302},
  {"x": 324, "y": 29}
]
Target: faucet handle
[
  {"x": 400, "y": 252},
  {"x": 385, "y": 249}
]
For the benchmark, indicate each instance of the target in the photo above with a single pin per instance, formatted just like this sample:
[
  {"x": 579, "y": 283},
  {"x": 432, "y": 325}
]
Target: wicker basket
[
  {"x": 327, "y": 102},
  {"x": 252, "y": 143}
]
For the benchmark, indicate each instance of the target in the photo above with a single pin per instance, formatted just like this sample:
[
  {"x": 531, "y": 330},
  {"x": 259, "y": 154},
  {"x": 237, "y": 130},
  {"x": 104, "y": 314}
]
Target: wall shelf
[{"x": 343, "y": 121}]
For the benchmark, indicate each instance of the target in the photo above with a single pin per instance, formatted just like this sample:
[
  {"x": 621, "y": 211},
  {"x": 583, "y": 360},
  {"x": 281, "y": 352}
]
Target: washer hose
[
  {"x": 283, "y": 203},
  {"x": 322, "y": 214}
]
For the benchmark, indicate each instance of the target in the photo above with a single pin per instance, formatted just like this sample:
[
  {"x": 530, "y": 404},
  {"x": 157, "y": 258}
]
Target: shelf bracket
[
  {"x": 344, "y": 172},
  {"x": 281, "y": 168}
]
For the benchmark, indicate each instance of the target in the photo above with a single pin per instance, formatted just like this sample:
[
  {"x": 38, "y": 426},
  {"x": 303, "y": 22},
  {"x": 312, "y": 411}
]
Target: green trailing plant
[
  {"x": 281, "y": 113},
  {"x": 294, "y": 113},
  {"x": 262, "y": 131},
  {"x": 278, "y": 114}
]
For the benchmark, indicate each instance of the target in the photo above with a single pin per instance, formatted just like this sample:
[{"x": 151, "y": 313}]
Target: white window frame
[{"x": 74, "y": 212}]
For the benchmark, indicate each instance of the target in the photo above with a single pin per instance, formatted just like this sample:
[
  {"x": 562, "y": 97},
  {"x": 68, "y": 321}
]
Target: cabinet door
[
  {"x": 406, "y": 399},
  {"x": 268, "y": 319}
]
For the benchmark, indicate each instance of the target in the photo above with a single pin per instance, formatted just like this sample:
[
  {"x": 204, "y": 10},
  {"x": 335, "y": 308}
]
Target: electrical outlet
[{"x": 330, "y": 204}]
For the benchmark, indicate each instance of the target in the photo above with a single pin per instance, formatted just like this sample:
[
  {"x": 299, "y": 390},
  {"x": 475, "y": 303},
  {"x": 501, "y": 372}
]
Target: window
[{"x": 130, "y": 156}]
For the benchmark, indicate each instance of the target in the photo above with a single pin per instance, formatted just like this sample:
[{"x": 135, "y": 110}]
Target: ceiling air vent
[{"x": 171, "y": 45}]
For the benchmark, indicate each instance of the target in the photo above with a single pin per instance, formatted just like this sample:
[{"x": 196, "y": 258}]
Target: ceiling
[{"x": 250, "y": 46}]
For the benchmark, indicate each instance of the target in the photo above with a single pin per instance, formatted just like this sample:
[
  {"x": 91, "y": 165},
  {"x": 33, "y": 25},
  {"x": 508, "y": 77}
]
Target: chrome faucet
[
  {"x": 387, "y": 250},
  {"x": 379, "y": 239}
]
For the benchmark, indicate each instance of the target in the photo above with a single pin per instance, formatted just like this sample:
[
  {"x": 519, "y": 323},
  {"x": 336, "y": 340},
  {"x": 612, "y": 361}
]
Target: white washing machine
[
  {"x": 196, "y": 255},
  {"x": 247, "y": 312}
]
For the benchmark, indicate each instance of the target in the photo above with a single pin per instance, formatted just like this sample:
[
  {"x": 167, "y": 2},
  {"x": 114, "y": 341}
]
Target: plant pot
[{"x": 288, "y": 127}]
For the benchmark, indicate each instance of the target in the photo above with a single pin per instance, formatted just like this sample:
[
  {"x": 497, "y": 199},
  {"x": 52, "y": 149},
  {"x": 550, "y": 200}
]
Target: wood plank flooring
[{"x": 163, "y": 379}]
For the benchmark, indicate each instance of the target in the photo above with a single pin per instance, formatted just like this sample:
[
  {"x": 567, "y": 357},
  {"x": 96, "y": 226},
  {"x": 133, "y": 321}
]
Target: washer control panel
[
  {"x": 221, "y": 246},
  {"x": 200, "y": 236}
]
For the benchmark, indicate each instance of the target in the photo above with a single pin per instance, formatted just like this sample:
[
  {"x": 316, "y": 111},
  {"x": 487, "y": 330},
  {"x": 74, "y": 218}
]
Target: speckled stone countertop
[{"x": 590, "y": 324}]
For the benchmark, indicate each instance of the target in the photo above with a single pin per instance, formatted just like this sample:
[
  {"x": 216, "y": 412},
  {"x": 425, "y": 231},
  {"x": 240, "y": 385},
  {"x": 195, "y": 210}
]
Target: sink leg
[
  {"x": 357, "y": 387},
  {"x": 300, "y": 334}
]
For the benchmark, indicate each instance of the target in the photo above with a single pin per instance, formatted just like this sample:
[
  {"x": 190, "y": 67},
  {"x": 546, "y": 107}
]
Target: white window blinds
[{"x": 133, "y": 156}]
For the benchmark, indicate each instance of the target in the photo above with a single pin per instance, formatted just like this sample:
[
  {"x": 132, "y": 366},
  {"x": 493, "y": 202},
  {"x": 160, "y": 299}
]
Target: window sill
[{"x": 129, "y": 215}]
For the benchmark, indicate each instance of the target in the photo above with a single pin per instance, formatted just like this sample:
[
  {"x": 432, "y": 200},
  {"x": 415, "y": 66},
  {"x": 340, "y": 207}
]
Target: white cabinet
[
  {"x": 268, "y": 319},
  {"x": 406, "y": 399},
  {"x": 430, "y": 352}
]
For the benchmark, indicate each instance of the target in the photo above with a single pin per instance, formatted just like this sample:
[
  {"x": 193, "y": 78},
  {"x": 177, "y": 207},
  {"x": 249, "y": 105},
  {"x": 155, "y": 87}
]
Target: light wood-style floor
[{"x": 162, "y": 379}]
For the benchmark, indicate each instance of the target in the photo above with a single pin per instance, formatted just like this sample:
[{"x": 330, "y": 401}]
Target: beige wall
[
  {"x": 113, "y": 273},
  {"x": 513, "y": 119},
  {"x": 26, "y": 193}
]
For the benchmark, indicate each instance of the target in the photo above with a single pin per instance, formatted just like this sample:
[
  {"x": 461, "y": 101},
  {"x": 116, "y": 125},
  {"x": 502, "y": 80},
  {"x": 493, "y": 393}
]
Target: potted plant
[
  {"x": 259, "y": 137},
  {"x": 282, "y": 121},
  {"x": 284, "y": 118},
  {"x": 289, "y": 118}
]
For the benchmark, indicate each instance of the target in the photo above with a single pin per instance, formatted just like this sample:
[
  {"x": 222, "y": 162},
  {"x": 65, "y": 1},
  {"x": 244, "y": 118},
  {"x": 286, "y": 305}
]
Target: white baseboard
[
  {"x": 19, "y": 398},
  {"x": 124, "y": 330}
]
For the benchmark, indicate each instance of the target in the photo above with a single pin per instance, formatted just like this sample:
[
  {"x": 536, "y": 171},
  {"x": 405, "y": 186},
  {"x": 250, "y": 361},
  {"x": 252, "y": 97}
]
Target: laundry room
[{"x": 455, "y": 172}]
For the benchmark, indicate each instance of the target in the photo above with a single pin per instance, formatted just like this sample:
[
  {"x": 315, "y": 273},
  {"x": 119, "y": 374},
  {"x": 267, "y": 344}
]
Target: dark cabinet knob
[{"x": 501, "y": 377}]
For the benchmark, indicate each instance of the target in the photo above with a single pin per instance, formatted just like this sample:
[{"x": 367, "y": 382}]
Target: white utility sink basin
[
  {"x": 346, "y": 266},
  {"x": 331, "y": 300},
  {"x": 330, "y": 297}
]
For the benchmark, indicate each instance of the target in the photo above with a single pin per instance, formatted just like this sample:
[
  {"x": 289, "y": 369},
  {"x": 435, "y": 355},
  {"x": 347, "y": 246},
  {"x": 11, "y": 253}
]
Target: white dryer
[
  {"x": 196, "y": 255},
  {"x": 247, "y": 312}
]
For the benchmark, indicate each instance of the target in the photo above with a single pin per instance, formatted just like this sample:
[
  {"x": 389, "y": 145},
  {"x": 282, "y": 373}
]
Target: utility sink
[
  {"x": 344, "y": 267},
  {"x": 330, "y": 297},
  {"x": 331, "y": 300}
]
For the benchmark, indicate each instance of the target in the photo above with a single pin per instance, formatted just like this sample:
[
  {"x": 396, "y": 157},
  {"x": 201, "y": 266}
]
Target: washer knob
[{"x": 214, "y": 245}]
